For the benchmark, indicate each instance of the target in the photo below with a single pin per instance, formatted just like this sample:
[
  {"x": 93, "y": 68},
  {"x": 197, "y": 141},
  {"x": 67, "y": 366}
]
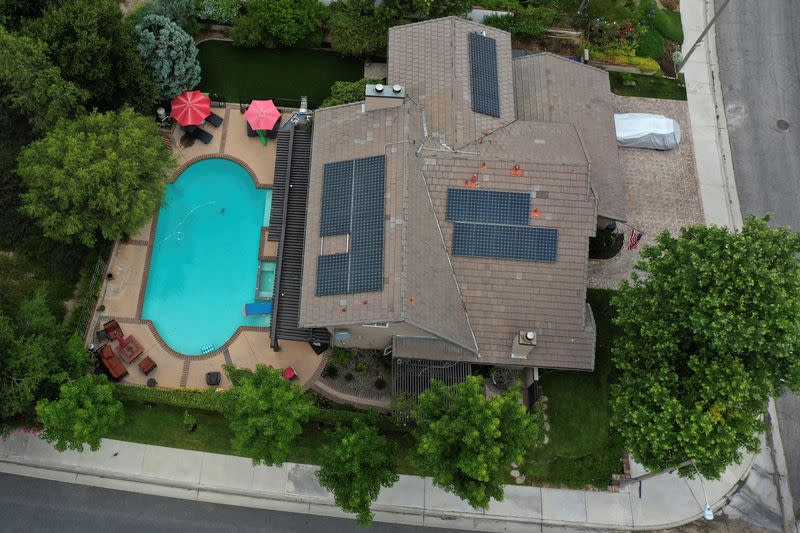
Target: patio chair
[
  {"x": 112, "y": 329},
  {"x": 214, "y": 119},
  {"x": 147, "y": 365},
  {"x": 102, "y": 336},
  {"x": 250, "y": 131},
  {"x": 199, "y": 134},
  {"x": 111, "y": 362}
]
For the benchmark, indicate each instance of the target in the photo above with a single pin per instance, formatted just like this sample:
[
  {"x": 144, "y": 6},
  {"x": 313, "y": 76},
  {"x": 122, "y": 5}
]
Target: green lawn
[
  {"x": 580, "y": 450},
  {"x": 625, "y": 84},
  {"x": 162, "y": 425},
  {"x": 283, "y": 75}
]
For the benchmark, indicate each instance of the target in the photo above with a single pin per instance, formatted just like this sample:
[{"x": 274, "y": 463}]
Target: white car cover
[{"x": 643, "y": 130}]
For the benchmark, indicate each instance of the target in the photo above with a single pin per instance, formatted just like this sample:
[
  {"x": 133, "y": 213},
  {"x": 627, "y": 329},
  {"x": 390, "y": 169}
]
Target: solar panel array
[
  {"x": 526, "y": 243},
  {"x": 483, "y": 75},
  {"x": 337, "y": 198},
  {"x": 488, "y": 207},
  {"x": 353, "y": 202},
  {"x": 495, "y": 224}
]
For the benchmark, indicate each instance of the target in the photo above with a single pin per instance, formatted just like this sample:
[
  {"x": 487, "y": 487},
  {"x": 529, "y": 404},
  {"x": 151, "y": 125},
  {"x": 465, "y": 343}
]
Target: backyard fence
[{"x": 88, "y": 298}]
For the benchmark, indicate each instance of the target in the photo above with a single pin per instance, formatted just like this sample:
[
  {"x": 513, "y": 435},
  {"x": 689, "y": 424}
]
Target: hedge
[
  {"x": 651, "y": 45},
  {"x": 187, "y": 398},
  {"x": 668, "y": 24}
]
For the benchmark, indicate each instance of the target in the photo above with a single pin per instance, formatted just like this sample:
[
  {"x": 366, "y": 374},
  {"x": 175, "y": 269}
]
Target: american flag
[{"x": 634, "y": 240}]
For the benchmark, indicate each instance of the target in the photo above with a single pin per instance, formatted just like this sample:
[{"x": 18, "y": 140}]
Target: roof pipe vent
[
  {"x": 379, "y": 88},
  {"x": 397, "y": 88}
]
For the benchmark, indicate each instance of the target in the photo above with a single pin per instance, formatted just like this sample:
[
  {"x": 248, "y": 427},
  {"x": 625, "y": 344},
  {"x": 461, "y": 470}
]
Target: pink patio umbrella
[
  {"x": 262, "y": 114},
  {"x": 190, "y": 108}
]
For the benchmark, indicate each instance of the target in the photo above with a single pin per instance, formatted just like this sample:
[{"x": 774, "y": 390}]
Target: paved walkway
[
  {"x": 707, "y": 116},
  {"x": 666, "y": 501}
]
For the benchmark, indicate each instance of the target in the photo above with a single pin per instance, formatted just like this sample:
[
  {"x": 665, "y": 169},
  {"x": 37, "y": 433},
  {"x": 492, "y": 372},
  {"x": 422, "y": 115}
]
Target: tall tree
[
  {"x": 83, "y": 414},
  {"x": 358, "y": 27},
  {"x": 274, "y": 23},
  {"x": 355, "y": 465},
  {"x": 14, "y": 12},
  {"x": 33, "y": 85},
  {"x": 171, "y": 54},
  {"x": 467, "y": 442},
  {"x": 709, "y": 330},
  {"x": 181, "y": 12},
  {"x": 265, "y": 412},
  {"x": 101, "y": 174},
  {"x": 88, "y": 41},
  {"x": 33, "y": 356}
]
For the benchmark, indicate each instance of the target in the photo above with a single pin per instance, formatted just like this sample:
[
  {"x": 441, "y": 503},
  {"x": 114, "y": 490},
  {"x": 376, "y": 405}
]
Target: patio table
[{"x": 131, "y": 350}]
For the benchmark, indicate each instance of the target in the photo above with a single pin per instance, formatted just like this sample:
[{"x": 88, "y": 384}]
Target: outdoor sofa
[{"x": 112, "y": 363}]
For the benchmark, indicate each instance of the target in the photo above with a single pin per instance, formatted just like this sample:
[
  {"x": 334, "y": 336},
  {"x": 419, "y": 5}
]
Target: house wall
[{"x": 374, "y": 338}]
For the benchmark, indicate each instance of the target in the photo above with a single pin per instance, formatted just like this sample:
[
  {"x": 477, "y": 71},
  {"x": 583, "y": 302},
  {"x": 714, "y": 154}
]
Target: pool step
[{"x": 208, "y": 348}]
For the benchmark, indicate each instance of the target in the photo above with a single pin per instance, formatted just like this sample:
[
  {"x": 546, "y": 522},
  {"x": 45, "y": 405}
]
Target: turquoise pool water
[{"x": 205, "y": 265}]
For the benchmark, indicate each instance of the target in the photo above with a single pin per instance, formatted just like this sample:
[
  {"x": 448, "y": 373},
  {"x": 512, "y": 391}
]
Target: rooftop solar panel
[
  {"x": 337, "y": 192},
  {"x": 488, "y": 207},
  {"x": 332, "y": 274},
  {"x": 483, "y": 75},
  {"x": 525, "y": 243}
]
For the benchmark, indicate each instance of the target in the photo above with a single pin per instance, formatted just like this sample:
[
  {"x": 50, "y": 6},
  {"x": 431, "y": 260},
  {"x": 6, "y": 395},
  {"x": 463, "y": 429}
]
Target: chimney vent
[
  {"x": 397, "y": 88},
  {"x": 523, "y": 344}
]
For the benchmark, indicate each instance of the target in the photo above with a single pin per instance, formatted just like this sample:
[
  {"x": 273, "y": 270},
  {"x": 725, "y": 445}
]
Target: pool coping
[{"x": 146, "y": 271}]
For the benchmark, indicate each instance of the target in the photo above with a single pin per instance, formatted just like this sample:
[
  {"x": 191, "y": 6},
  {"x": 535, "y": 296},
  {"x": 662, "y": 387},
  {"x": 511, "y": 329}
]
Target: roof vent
[
  {"x": 523, "y": 344},
  {"x": 379, "y": 88},
  {"x": 397, "y": 88}
]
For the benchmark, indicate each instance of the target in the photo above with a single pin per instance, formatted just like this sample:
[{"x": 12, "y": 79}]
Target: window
[{"x": 377, "y": 325}]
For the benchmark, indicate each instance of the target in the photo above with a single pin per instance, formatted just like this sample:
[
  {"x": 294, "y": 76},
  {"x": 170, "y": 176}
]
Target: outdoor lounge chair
[
  {"x": 112, "y": 329},
  {"x": 214, "y": 119},
  {"x": 112, "y": 363},
  {"x": 250, "y": 131},
  {"x": 199, "y": 134},
  {"x": 147, "y": 365}
]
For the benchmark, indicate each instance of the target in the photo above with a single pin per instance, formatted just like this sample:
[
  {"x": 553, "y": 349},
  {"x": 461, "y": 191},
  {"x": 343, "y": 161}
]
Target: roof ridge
[{"x": 560, "y": 58}]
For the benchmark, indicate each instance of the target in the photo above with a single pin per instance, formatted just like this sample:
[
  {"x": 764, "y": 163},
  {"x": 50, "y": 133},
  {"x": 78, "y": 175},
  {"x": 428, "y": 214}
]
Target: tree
[
  {"x": 34, "y": 357},
  {"x": 94, "y": 49},
  {"x": 13, "y": 12},
  {"x": 427, "y": 9},
  {"x": 345, "y": 92},
  {"x": 274, "y": 23},
  {"x": 355, "y": 465},
  {"x": 101, "y": 174},
  {"x": 221, "y": 11},
  {"x": 467, "y": 442},
  {"x": 358, "y": 27},
  {"x": 529, "y": 24},
  {"x": 265, "y": 412},
  {"x": 181, "y": 12},
  {"x": 33, "y": 85},
  {"x": 83, "y": 414},
  {"x": 709, "y": 330},
  {"x": 171, "y": 54}
]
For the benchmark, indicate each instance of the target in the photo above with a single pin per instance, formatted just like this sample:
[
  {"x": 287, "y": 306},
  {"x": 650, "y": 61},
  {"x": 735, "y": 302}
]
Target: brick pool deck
[{"x": 122, "y": 296}]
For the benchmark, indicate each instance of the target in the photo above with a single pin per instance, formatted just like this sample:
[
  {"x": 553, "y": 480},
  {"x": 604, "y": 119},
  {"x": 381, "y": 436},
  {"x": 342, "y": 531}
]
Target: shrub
[
  {"x": 330, "y": 371},
  {"x": 530, "y": 25},
  {"x": 274, "y": 23},
  {"x": 187, "y": 398},
  {"x": 221, "y": 11},
  {"x": 348, "y": 377},
  {"x": 612, "y": 10},
  {"x": 170, "y": 53},
  {"x": 346, "y": 92},
  {"x": 342, "y": 356},
  {"x": 189, "y": 421},
  {"x": 380, "y": 384},
  {"x": 668, "y": 24},
  {"x": 181, "y": 12},
  {"x": 358, "y": 27},
  {"x": 651, "y": 44},
  {"x": 361, "y": 368}
]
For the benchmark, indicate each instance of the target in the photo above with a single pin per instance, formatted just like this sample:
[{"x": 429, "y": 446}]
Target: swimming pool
[{"x": 204, "y": 265}]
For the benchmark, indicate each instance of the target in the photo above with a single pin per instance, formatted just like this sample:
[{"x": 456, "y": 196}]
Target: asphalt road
[
  {"x": 36, "y": 506},
  {"x": 758, "y": 44}
]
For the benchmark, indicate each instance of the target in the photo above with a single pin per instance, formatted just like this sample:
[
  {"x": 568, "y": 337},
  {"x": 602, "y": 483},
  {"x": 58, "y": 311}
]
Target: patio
[{"x": 122, "y": 296}]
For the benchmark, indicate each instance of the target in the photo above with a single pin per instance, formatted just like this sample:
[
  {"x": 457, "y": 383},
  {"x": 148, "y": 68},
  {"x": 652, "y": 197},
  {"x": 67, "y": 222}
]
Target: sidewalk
[
  {"x": 707, "y": 116},
  {"x": 667, "y": 501}
]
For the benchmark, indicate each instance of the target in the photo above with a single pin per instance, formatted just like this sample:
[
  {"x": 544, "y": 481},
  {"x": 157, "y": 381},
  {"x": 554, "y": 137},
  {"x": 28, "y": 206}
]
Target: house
[{"x": 448, "y": 215}]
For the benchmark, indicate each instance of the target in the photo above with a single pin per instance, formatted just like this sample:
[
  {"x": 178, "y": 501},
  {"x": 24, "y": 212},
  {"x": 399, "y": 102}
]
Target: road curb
[{"x": 784, "y": 491}]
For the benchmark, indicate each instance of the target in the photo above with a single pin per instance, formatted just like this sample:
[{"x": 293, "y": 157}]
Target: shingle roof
[
  {"x": 434, "y": 142},
  {"x": 551, "y": 88},
  {"x": 431, "y": 59}
]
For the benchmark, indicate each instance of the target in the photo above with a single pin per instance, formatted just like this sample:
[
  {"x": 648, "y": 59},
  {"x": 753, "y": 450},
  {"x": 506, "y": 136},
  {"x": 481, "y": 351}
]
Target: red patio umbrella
[
  {"x": 191, "y": 108},
  {"x": 262, "y": 114}
]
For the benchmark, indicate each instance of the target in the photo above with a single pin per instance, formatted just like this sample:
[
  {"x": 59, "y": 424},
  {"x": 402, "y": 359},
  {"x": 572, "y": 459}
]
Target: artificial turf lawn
[
  {"x": 580, "y": 450},
  {"x": 283, "y": 75},
  {"x": 647, "y": 86}
]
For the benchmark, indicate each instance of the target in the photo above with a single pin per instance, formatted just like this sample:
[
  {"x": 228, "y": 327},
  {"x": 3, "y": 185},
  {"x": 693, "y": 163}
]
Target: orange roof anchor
[
  {"x": 535, "y": 213},
  {"x": 483, "y": 166},
  {"x": 516, "y": 170}
]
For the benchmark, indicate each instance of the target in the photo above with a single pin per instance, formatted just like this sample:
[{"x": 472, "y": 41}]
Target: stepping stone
[
  {"x": 515, "y": 473},
  {"x": 520, "y": 480}
]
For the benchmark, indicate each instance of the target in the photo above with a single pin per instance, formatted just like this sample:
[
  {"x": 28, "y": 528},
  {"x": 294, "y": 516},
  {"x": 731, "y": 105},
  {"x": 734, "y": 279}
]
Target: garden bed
[{"x": 360, "y": 373}]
